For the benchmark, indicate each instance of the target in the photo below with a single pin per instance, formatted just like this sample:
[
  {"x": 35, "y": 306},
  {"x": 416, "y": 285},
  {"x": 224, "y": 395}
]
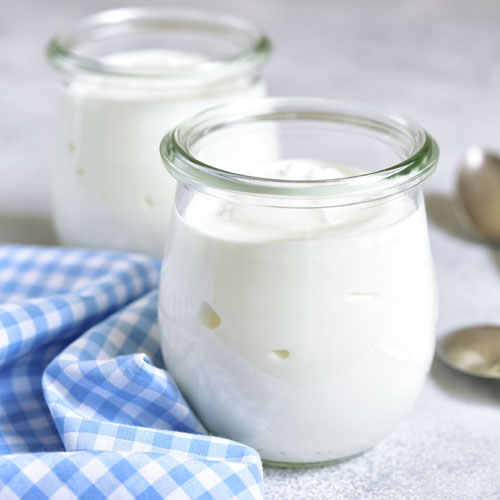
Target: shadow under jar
[
  {"x": 297, "y": 302},
  {"x": 127, "y": 75}
]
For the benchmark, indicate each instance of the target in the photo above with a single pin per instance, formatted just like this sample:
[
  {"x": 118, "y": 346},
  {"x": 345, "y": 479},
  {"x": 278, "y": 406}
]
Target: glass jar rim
[
  {"x": 62, "y": 54},
  {"x": 421, "y": 161}
]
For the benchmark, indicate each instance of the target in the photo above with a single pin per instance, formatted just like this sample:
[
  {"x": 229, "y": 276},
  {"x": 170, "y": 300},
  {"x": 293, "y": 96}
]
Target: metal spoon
[
  {"x": 478, "y": 193},
  {"x": 475, "y": 351}
]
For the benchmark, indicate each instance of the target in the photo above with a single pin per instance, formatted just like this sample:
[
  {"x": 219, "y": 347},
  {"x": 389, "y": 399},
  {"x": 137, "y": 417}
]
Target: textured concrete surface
[{"x": 437, "y": 61}]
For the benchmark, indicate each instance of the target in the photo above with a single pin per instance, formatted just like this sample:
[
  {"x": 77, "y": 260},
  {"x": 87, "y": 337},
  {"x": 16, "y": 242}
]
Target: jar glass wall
[
  {"x": 127, "y": 75},
  {"x": 297, "y": 303}
]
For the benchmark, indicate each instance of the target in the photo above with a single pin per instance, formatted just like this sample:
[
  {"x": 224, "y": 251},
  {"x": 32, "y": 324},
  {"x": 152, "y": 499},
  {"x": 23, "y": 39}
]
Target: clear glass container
[
  {"x": 297, "y": 301},
  {"x": 127, "y": 75}
]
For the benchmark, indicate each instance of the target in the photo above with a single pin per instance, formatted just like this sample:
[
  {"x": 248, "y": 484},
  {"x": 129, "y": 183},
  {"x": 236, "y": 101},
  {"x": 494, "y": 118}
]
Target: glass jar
[
  {"x": 127, "y": 75},
  {"x": 297, "y": 302}
]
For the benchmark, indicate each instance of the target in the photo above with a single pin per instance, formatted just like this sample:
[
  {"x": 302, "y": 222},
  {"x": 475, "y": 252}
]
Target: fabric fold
[{"x": 88, "y": 410}]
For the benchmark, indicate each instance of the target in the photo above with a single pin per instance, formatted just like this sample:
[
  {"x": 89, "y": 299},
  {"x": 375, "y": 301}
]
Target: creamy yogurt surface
[
  {"x": 305, "y": 333},
  {"x": 110, "y": 188}
]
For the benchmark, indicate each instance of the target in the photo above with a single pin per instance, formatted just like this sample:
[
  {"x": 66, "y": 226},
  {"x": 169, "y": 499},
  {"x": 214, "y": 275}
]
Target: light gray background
[{"x": 437, "y": 61}]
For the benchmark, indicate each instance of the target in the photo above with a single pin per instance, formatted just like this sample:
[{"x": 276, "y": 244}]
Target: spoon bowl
[
  {"x": 478, "y": 193},
  {"x": 475, "y": 351}
]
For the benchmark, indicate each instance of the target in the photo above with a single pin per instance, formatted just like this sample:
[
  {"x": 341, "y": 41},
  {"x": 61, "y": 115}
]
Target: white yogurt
[
  {"x": 110, "y": 188},
  {"x": 305, "y": 333}
]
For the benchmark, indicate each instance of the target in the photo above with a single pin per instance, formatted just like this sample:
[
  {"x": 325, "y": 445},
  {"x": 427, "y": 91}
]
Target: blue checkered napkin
[{"x": 106, "y": 420}]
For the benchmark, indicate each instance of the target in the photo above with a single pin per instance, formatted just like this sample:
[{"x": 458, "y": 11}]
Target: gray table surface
[{"x": 437, "y": 61}]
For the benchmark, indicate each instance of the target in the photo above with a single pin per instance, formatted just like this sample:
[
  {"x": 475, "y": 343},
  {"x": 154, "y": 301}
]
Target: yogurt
[
  {"x": 306, "y": 333},
  {"x": 109, "y": 186}
]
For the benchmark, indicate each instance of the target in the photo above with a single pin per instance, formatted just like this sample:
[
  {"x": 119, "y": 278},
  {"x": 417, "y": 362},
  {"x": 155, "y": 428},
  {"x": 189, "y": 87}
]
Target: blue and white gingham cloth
[{"x": 86, "y": 408}]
